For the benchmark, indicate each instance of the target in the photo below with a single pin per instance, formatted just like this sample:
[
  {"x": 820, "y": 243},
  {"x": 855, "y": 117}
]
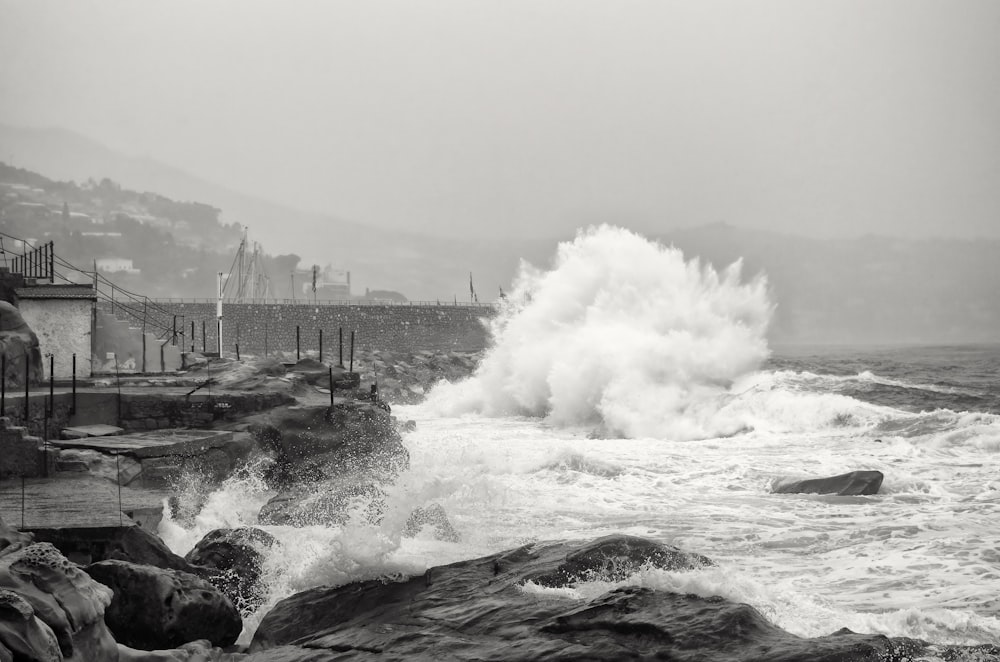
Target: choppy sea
[{"x": 679, "y": 437}]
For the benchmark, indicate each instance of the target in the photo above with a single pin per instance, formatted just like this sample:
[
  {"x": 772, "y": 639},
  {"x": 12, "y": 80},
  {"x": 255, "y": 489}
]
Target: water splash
[{"x": 624, "y": 334}]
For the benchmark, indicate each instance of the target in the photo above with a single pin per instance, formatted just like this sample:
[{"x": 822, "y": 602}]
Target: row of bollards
[{"x": 298, "y": 346}]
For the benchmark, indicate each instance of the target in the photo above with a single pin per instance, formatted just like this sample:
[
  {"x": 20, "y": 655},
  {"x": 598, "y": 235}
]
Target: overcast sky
[{"x": 534, "y": 117}]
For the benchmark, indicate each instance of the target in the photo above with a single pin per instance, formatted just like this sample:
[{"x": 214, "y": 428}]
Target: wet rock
[
  {"x": 480, "y": 610},
  {"x": 231, "y": 560},
  {"x": 129, "y": 543},
  {"x": 51, "y": 610},
  {"x": 158, "y": 608},
  {"x": 312, "y": 443},
  {"x": 615, "y": 558},
  {"x": 328, "y": 504},
  {"x": 855, "y": 483}
]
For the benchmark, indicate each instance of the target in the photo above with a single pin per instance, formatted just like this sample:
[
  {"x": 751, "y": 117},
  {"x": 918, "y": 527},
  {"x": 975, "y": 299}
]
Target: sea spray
[{"x": 621, "y": 333}]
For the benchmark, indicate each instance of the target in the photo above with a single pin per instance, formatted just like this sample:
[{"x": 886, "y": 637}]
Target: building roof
[{"x": 62, "y": 291}]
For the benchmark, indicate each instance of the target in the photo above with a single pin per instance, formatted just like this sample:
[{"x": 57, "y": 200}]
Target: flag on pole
[
  {"x": 472, "y": 290},
  {"x": 314, "y": 279}
]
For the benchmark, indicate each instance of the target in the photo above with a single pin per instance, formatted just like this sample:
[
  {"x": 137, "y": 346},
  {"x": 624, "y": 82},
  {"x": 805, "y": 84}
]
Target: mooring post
[
  {"x": 118, "y": 381},
  {"x": 321, "y": 345},
  {"x": 72, "y": 405},
  {"x": 27, "y": 378},
  {"x": 352, "y": 352},
  {"x": 118, "y": 476},
  {"x": 52, "y": 386},
  {"x": 340, "y": 333},
  {"x": 331, "y": 386},
  {"x": 297, "y": 345}
]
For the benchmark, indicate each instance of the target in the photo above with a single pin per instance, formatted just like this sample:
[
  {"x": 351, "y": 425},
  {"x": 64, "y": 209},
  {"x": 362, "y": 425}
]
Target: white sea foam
[{"x": 623, "y": 333}]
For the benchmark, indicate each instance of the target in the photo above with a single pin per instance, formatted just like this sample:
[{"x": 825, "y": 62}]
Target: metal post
[
  {"x": 204, "y": 345},
  {"x": 321, "y": 345},
  {"x": 27, "y": 378},
  {"x": 3, "y": 386},
  {"x": 265, "y": 339},
  {"x": 237, "y": 351},
  {"x": 173, "y": 335},
  {"x": 52, "y": 386},
  {"x": 218, "y": 336},
  {"x": 118, "y": 473},
  {"x": 192, "y": 335},
  {"x": 340, "y": 332},
  {"x": 297, "y": 344},
  {"x": 72, "y": 406},
  {"x": 352, "y": 352},
  {"x": 144, "y": 348},
  {"x": 118, "y": 380},
  {"x": 331, "y": 386},
  {"x": 22, "y": 502}
]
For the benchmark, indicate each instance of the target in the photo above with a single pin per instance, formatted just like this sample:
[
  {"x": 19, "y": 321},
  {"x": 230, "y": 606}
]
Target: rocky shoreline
[{"x": 324, "y": 452}]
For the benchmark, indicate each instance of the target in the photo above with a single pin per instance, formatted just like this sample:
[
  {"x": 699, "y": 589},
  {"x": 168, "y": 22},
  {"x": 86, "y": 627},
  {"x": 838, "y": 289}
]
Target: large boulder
[
  {"x": 482, "y": 610},
  {"x": 330, "y": 503},
  {"x": 128, "y": 543},
  {"x": 158, "y": 608},
  {"x": 312, "y": 443},
  {"x": 20, "y": 345},
  {"x": 232, "y": 560},
  {"x": 51, "y": 610},
  {"x": 855, "y": 483}
]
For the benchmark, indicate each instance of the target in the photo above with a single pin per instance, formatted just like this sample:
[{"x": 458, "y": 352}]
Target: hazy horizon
[{"x": 532, "y": 119}]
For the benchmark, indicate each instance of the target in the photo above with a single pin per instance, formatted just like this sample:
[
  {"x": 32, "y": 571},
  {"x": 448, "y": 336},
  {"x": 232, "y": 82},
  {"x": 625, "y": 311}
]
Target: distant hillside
[{"x": 861, "y": 290}]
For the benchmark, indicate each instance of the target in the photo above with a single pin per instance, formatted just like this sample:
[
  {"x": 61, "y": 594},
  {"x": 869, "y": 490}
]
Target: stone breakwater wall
[{"x": 271, "y": 326}]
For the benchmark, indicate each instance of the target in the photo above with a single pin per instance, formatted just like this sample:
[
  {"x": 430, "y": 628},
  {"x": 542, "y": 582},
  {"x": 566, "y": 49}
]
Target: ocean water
[{"x": 613, "y": 401}]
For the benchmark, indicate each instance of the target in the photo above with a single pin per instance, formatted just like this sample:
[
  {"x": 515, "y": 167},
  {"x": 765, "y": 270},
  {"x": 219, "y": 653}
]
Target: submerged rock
[
  {"x": 481, "y": 609},
  {"x": 855, "y": 483},
  {"x": 157, "y": 608},
  {"x": 431, "y": 517},
  {"x": 231, "y": 560}
]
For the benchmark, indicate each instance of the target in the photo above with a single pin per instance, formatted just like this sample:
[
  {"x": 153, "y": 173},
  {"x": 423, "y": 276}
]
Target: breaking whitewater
[{"x": 631, "y": 391}]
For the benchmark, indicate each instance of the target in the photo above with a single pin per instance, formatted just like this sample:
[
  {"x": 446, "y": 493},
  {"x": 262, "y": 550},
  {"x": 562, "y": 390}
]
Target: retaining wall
[{"x": 271, "y": 327}]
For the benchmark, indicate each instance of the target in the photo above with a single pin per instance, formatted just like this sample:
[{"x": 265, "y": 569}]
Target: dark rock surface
[
  {"x": 855, "y": 483},
  {"x": 130, "y": 543},
  {"x": 477, "y": 610},
  {"x": 156, "y": 608},
  {"x": 231, "y": 560},
  {"x": 19, "y": 344},
  {"x": 313, "y": 442}
]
